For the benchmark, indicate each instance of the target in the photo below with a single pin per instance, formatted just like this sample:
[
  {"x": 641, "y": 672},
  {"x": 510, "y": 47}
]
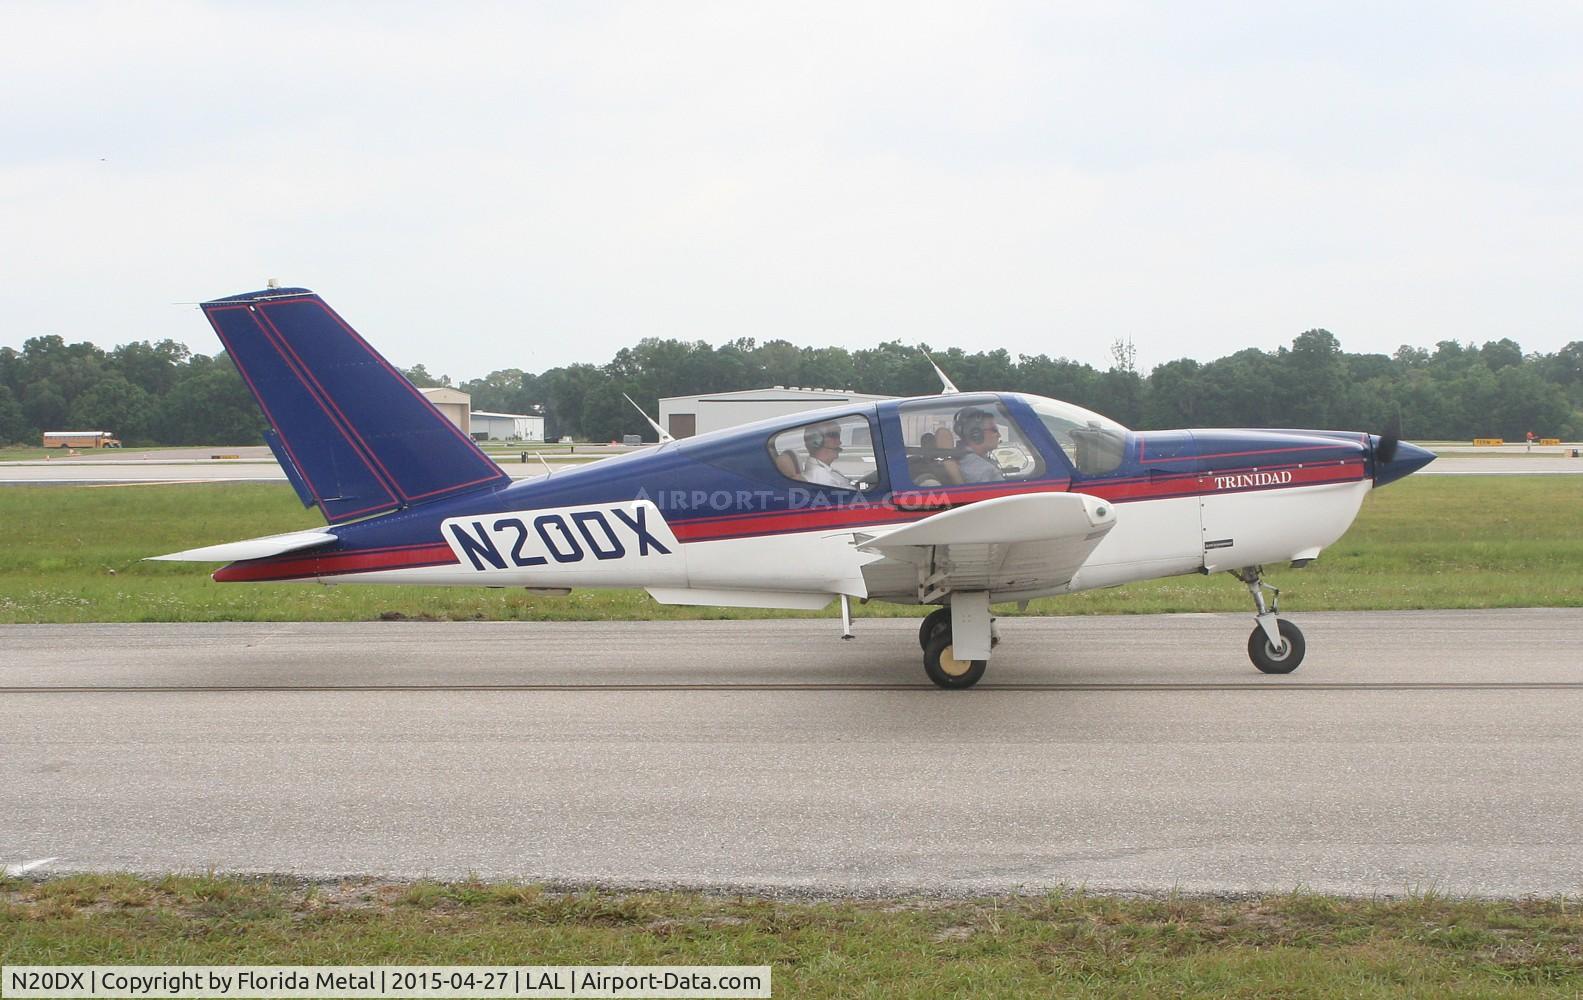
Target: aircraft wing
[{"x": 1008, "y": 545}]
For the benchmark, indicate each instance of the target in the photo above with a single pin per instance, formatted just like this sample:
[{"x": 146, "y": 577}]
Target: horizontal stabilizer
[
  {"x": 252, "y": 548},
  {"x": 356, "y": 436}
]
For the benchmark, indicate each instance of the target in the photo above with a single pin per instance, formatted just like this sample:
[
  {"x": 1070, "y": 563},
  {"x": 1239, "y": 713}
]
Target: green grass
[
  {"x": 19, "y": 454},
  {"x": 1298, "y": 945},
  {"x": 71, "y": 554}
]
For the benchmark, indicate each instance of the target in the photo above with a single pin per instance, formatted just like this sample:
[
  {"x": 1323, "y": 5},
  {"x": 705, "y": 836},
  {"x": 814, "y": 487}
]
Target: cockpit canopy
[
  {"x": 945, "y": 441},
  {"x": 924, "y": 442},
  {"x": 972, "y": 439}
]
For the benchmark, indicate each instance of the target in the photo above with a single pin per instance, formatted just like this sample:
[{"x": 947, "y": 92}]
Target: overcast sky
[{"x": 479, "y": 186}]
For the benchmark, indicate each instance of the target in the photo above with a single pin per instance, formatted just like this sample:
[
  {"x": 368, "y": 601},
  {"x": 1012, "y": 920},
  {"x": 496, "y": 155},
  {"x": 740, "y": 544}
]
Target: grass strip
[
  {"x": 73, "y": 554},
  {"x": 1068, "y": 943}
]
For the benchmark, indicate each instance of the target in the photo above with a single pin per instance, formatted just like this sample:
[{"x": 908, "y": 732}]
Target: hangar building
[
  {"x": 454, "y": 403},
  {"x": 489, "y": 426},
  {"x": 685, "y": 416}
]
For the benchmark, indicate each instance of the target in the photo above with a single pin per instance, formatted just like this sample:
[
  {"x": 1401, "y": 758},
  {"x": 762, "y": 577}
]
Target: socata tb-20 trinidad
[{"x": 961, "y": 500}]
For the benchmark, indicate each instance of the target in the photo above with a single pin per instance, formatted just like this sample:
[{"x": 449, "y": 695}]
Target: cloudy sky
[{"x": 480, "y": 186}]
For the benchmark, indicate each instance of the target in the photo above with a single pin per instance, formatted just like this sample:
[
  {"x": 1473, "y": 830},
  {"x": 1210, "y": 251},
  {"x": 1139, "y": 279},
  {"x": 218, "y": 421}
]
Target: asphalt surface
[{"x": 1412, "y": 751}]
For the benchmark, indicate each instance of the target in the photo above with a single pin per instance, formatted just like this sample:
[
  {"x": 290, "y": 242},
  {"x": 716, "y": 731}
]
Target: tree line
[{"x": 148, "y": 393}]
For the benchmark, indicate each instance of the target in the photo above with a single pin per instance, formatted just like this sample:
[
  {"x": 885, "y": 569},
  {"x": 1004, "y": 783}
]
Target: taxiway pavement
[{"x": 1412, "y": 751}]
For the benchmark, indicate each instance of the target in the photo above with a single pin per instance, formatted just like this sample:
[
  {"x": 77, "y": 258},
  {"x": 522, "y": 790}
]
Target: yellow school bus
[{"x": 80, "y": 439}]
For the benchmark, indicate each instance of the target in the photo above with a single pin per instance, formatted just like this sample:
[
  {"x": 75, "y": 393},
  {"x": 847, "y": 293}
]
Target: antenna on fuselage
[
  {"x": 664, "y": 434},
  {"x": 947, "y": 387}
]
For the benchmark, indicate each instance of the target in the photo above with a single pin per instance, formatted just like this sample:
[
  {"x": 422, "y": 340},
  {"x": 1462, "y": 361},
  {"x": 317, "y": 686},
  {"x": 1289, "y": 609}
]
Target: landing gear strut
[
  {"x": 1276, "y": 645},
  {"x": 956, "y": 640},
  {"x": 940, "y": 619}
]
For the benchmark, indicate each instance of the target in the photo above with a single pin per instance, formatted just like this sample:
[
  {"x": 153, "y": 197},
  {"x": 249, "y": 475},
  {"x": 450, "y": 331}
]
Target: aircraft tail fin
[{"x": 356, "y": 437}]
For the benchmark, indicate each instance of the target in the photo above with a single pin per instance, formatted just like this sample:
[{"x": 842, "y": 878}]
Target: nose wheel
[
  {"x": 1273, "y": 659},
  {"x": 1276, "y": 645}
]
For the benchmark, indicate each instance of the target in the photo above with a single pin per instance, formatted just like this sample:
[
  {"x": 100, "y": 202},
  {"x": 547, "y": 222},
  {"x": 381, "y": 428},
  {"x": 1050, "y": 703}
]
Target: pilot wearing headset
[
  {"x": 977, "y": 431},
  {"x": 824, "y": 447}
]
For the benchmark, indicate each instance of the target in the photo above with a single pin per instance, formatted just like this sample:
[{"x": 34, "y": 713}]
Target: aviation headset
[
  {"x": 813, "y": 437},
  {"x": 968, "y": 424}
]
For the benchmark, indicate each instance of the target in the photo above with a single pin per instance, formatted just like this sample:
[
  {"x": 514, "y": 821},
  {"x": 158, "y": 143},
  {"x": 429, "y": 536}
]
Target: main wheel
[
  {"x": 945, "y": 669},
  {"x": 934, "y": 621},
  {"x": 1277, "y": 661}
]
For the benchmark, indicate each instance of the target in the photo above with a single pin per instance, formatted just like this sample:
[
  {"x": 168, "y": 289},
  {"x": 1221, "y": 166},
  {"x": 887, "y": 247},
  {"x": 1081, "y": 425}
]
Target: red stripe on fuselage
[
  {"x": 919, "y": 504},
  {"x": 337, "y": 563},
  {"x": 1203, "y": 483}
]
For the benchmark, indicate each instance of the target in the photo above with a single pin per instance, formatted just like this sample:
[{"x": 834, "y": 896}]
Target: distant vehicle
[
  {"x": 959, "y": 500},
  {"x": 80, "y": 439}
]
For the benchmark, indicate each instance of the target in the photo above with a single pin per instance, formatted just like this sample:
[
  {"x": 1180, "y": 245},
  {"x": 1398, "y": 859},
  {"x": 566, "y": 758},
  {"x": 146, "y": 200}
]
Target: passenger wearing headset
[
  {"x": 977, "y": 431},
  {"x": 824, "y": 447}
]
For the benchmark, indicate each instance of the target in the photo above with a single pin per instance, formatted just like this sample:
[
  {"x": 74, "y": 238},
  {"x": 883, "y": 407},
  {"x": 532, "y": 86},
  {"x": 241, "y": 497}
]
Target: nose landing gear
[{"x": 1276, "y": 645}]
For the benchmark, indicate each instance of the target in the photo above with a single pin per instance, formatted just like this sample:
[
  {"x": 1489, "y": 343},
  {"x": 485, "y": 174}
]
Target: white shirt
[
  {"x": 978, "y": 469},
  {"x": 815, "y": 471}
]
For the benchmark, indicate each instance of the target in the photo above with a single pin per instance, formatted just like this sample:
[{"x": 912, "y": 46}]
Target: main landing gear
[
  {"x": 1276, "y": 645},
  {"x": 947, "y": 665}
]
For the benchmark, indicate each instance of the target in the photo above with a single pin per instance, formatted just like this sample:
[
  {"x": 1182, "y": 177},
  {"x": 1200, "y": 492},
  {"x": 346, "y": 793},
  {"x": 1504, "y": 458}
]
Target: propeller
[{"x": 1385, "y": 451}]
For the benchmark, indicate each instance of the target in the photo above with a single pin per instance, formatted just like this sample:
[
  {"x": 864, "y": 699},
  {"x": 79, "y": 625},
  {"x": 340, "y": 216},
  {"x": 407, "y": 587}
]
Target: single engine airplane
[{"x": 959, "y": 501}]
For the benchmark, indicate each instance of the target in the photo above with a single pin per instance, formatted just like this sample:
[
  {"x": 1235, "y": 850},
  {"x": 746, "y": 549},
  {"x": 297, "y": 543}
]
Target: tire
[
  {"x": 933, "y": 622},
  {"x": 1273, "y": 661},
  {"x": 945, "y": 670}
]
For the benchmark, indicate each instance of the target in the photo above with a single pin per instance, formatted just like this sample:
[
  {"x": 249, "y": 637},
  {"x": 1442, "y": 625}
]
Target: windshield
[{"x": 1094, "y": 443}]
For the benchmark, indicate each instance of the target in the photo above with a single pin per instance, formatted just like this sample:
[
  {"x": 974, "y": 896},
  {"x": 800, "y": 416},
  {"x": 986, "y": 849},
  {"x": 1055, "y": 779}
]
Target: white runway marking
[{"x": 28, "y": 866}]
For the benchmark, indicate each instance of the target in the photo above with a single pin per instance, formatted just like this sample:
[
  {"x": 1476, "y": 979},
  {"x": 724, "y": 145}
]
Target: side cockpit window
[
  {"x": 836, "y": 453},
  {"x": 953, "y": 443},
  {"x": 1095, "y": 444}
]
